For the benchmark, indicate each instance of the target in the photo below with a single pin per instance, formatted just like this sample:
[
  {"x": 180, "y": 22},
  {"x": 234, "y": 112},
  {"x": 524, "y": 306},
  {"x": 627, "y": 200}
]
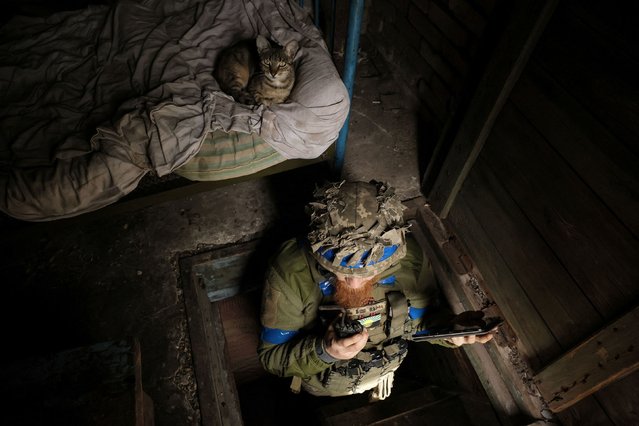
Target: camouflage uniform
[{"x": 300, "y": 279}]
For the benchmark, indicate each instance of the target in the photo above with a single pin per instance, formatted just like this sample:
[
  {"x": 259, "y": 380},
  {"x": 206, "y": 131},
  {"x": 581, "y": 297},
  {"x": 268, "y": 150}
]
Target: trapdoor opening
[{"x": 222, "y": 293}]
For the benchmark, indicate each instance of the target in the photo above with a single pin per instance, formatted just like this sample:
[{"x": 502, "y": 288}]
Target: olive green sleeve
[
  {"x": 298, "y": 357},
  {"x": 287, "y": 309}
]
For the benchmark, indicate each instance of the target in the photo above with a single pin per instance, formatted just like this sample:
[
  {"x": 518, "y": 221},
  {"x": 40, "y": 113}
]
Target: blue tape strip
[
  {"x": 416, "y": 313},
  {"x": 362, "y": 262},
  {"x": 277, "y": 336},
  {"x": 327, "y": 287},
  {"x": 389, "y": 280}
]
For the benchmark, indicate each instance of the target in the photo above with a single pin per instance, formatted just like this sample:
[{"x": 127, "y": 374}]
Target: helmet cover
[{"x": 357, "y": 228}]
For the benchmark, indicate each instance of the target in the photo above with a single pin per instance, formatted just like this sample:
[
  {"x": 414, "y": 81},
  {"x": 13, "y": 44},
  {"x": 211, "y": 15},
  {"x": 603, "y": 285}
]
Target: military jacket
[{"x": 293, "y": 329}]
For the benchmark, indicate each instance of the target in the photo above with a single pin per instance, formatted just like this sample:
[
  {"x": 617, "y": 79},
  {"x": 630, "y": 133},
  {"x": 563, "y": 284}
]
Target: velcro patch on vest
[{"x": 370, "y": 315}]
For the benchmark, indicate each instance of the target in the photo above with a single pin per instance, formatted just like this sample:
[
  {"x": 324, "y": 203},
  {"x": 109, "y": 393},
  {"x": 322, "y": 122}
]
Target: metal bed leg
[
  {"x": 331, "y": 32},
  {"x": 350, "y": 67},
  {"x": 316, "y": 12}
]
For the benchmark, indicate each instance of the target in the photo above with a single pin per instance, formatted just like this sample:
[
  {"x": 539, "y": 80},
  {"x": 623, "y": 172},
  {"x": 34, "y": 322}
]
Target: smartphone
[{"x": 490, "y": 325}]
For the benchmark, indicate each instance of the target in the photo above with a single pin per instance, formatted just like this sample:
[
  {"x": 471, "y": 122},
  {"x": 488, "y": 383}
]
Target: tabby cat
[{"x": 254, "y": 72}]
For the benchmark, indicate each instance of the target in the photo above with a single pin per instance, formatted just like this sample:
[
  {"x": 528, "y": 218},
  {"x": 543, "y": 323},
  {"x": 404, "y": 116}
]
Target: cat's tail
[
  {"x": 240, "y": 94},
  {"x": 243, "y": 97}
]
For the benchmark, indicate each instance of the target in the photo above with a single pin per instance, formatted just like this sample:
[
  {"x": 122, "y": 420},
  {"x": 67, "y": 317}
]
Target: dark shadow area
[
  {"x": 291, "y": 191},
  {"x": 44, "y": 7},
  {"x": 40, "y": 315},
  {"x": 427, "y": 137},
  {"x": 269, "y": 401},
  {"x": 434, "y": 145}
]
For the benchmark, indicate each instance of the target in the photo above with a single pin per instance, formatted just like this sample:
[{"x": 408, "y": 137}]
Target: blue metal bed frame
[{"x": 356, "y": 12}]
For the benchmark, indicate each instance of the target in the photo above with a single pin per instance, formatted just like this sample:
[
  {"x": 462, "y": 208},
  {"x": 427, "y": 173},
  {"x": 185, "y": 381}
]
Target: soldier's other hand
[
  {"x": 469, "y": 340},
  {"x": 345, "y": 348}
]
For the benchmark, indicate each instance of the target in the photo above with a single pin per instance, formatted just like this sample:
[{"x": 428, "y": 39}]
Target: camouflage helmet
[{"x": 357, "y": 228}]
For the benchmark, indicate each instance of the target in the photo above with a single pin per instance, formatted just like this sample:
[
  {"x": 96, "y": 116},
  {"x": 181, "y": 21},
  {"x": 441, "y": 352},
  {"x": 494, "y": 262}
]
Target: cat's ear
[
  {"x": 291, "y": 48},
  {"x": 262, "y": 43}
]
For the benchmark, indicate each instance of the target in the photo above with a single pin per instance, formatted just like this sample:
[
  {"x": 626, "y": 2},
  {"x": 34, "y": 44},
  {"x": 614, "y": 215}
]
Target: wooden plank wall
[{"x": 550, "y": 209}]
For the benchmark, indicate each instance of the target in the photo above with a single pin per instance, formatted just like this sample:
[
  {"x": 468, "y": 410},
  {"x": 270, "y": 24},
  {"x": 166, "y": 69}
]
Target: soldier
[{"x": 359, "y": 263}]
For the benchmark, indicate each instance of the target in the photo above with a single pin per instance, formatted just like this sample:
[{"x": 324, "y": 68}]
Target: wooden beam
[
  {"x": 541, "y": 301},
  {"x": 217, "y": 393},
  {"x": 422, "y": 406},
  {"x": 502, "y": 372},
  {"x": 527, "y": 23},
  {"x": 504, "y": 289},
  {"x": 224, "y": 272},
  {"x": 600, "y": 360}
]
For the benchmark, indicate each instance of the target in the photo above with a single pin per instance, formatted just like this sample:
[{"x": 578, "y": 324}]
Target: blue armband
[{"x": 277, "y": 336}]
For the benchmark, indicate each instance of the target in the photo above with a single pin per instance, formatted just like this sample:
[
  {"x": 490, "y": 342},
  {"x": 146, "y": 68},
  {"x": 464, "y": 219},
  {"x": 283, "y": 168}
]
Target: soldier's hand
[
  {"x": 468, "y": 340},
  {"x": 345, "y": 348}
]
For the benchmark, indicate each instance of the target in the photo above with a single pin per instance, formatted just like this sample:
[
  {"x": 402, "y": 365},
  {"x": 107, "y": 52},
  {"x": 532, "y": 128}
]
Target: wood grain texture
[
  {"x": 594, "y": 247},
  {"x": 620, "y": 400},
  {"x": 536, "y": 339},
  {"x": 501, "y": 366},
  {"x": 217, "y": 393},
  {"x": 587, "y": 412},
  {"x": 527, "y": 23},
  {"x": 423, "y": 406},
  {"x": 609, "y": 355},
  {"x": 594, "y": 68},
  {"x": 556, "y": 298},
  {"x": 600, "y": 159},
  {"x": 240, "y": 317}
]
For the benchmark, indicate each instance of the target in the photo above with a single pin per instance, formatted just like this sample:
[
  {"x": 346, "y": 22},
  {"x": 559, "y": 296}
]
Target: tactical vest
[{"x": 387, "y": 321}]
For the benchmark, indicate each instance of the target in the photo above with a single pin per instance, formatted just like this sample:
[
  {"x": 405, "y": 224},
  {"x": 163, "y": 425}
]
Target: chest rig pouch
[
  {"x": 384, "y": 351},
  {"x": 386, "y": 348},
  {"x": 397, "y": 314}
]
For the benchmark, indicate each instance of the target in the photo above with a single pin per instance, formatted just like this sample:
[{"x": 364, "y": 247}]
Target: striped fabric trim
[{"x": 229, "y": 155}]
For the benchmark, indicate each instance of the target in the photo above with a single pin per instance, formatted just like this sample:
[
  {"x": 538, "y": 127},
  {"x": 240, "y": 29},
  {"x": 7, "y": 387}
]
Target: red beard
[{"x": 348, "y": 297}]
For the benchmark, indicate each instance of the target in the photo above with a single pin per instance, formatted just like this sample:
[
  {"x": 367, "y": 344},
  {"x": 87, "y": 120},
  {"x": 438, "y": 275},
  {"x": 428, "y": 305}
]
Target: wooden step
[{"x": 425, "y": 406}]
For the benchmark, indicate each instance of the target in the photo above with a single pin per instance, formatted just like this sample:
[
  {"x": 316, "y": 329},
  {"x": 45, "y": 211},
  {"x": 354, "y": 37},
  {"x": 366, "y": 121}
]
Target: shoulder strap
[{"x": 397, "y": 313}]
